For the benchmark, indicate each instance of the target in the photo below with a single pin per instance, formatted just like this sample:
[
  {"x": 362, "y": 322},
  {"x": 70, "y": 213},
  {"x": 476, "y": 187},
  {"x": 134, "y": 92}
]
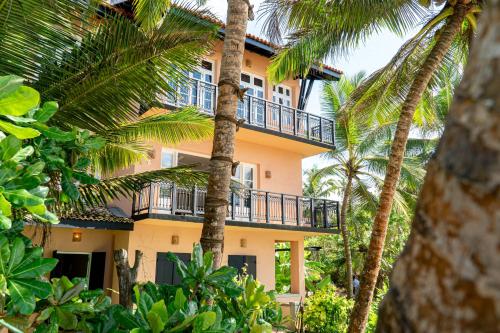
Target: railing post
[
  {"x": 283, "y": 217},
  {"x": 268, "y": 212},
  {"x": 280, "y": 114},
  {"x": 214, "y": 102},
  {"x": 198, "y": 94},
  {"x": 174, "y": 198},
  {"x": 133, "y": 204},
  {"x": 250, "y": 207},
  {"x": 320, "y": 129},
  {"x": 325, "y": 218},
  {"x": 295, "y": 122},
  {"x": 297, "y": 209},
  {"x": 233, "y": 214},
  {"x": 249, "y": 108},
  {"x": 313, "y": 215},
  {"x": 265, "y": 114},
  {"x": 307, "y": 124},
  {"x": 151, "y": 198},
  {"x": 195, "y": 200}
]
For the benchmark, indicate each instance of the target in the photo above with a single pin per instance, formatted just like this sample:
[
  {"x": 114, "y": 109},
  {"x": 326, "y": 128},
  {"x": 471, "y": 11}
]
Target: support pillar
[{"x": 297, "y": 270}]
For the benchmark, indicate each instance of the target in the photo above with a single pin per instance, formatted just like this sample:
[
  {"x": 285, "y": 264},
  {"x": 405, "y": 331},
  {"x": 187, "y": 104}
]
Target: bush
[{"x": 328, "y": 312}]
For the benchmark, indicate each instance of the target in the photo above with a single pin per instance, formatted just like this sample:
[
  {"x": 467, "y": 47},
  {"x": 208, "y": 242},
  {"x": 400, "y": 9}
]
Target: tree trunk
[
  {"x": 345, "y": 236},
  {"x": 371, "y": 268},
  {"x": 221, "y": 163},
  {"x": 448, "y": 277},
  {"x": 127, "y": 276}
]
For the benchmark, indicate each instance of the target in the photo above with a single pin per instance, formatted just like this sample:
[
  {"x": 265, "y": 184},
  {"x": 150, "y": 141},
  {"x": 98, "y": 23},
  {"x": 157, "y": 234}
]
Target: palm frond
[{"x": 125, "y": 186}]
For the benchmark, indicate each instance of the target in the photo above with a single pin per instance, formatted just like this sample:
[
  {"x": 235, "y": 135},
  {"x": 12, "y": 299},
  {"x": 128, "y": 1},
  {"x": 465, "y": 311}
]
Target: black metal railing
[
  {"x": 246, "y": 205},
  {"x": 258, "y": 112}
]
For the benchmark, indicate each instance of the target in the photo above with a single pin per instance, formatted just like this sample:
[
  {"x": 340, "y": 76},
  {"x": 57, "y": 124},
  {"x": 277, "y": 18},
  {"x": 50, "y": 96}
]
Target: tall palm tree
[
  {"x": 101, "y": 66},
  {"x": 221, "y": 162},
  {"x": 450, "y": 263},
  {"x": 328, "y": 28},
  {"x": 359, "y": 161}
]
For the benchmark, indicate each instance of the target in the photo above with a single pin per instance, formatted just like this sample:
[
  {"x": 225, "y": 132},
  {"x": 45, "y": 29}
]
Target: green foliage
[{"x": 326, "y": 311}]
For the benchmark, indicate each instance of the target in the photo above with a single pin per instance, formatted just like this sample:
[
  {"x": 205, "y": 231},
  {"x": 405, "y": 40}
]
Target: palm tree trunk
[
  {"x": 447, "y": 279},
  {"x": 371, "y": 268},
  {"x": 345, "y": 236},
  {"x": 221, "y": 163}
]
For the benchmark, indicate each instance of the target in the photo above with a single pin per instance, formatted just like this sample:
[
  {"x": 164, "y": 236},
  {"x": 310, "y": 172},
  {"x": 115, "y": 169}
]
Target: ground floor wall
[{"x": 159, "y": 236}]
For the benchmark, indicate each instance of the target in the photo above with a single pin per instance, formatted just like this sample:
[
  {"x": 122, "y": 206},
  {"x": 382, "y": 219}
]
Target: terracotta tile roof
[
  {"x": 98, "y": 214},
  {"x": 216, "y": 21}
]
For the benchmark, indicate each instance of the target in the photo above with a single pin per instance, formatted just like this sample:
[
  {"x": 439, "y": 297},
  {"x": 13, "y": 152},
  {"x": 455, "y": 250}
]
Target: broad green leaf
[
  {"x": 48, "y": 217},
  {"x": 5, "y": 222},
  {"x": 34, "y": 269},
  {"x": 19, "y": 102},
  {"x": 180, "y": 299},
  {"x": 206, "y": 319},
  {"x": 35, "y": 169},
  {"x": 40, "y": 191},
  {"x": 19, "y": 132},
  {"x": 5, "y": 206},
  {"x": 38, "y": 209},
  {"x": 261, "y": 328},
  {"x": 67, "y": 185},
  {"x": 160, "y": 309},
  {"x": 4, "y": 254},
  {"x": 55, "y": 133},
  {"x": 16, "y": 253},
  {"x": 155, "y": 322},
  {"x": 10, "y": 327},
  {"x": 46, "y": 112},
  {"x": 22, "y": 298},
  {"x": 72, "y": 292},
  {"x": 66, "y": 319},
  {"x": 41, "y": 289},
  {"x": 9, "y": 84},
  {"x": 23, "y": 198},
  {"x": 23, "y": 120},
  {"x": 23, "y": 153},
  {"x": 82, "y": 163},
  {"x": 223, "y": 274},
  {"x": 85, "y": 178},
  {"x": 45, "y": 314},
  {"x": 9, "y": 147}
]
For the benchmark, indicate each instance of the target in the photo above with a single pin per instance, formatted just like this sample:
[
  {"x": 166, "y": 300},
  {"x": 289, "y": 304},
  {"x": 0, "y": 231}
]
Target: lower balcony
[{"x": 247, "y": 207}]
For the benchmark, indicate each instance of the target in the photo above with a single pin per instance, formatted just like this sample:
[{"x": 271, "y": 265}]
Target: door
[
  {"x": 252, "y": 108},
  {"x": 90, "y": 266},
  {"x": 243, "y": 200},
  {"x": 282, "y": 95},
  {"x": 241, "y": 261},
  {"x": 166, "y": 270}
]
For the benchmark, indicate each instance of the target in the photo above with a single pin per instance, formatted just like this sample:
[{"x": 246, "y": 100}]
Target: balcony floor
[{"x": 236, "y": 223}]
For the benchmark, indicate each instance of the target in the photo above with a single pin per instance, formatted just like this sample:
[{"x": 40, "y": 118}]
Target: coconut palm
[
  {"x": 359, "y": 161},
  {"x": 221, "y": 162},
  {"x": 328, "y": 28},
  {"x": 102, "y": 67}
]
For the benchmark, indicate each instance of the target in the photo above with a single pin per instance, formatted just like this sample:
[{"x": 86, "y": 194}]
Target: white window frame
[{"x": 277, "y": 95}]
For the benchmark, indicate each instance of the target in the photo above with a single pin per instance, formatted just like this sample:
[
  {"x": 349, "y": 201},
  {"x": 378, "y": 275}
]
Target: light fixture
[
  {"x": 243, "y": 242},
  {"x": 77, "y": 236},
  {"x": 175, "y": 240},
  {"x": 268, "y": 174}
]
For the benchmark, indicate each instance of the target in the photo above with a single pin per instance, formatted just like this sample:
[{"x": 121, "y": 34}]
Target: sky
[{"x": 372, "y": 55}]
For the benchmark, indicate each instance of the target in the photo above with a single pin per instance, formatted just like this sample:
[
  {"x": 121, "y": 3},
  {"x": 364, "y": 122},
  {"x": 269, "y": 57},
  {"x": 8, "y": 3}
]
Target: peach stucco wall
[
  {"x": 152, "y": 236},
  {"x": 255, "y": 64}
]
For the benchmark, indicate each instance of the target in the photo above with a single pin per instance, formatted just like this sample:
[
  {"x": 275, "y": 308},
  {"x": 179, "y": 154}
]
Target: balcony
[
  {"x": 260, "y": 114},
  {"x": 247, "y": 207}
]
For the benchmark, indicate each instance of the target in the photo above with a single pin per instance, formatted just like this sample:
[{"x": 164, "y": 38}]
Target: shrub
[{"x": 328, "y": 312}]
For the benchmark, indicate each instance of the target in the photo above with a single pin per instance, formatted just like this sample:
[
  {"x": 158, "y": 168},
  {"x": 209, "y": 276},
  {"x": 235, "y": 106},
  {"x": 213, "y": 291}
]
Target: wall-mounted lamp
[
  {"x": 77, "y": 236},
  {"x": 175, "y": 240},
  {"x": 268, "y": 174},
  {"x": 243, "y": 242},
  {"x": 248, "y": 63}
]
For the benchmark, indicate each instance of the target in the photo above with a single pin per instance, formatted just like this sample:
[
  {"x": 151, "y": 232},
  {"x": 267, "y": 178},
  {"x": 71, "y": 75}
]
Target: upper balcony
[
  {"x": 263, "y": 116},
  {"x": 247, "y": 208}
]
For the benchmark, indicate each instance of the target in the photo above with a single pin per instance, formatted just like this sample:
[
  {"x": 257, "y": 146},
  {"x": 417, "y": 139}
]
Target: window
[
  {"x": 166, "y": 270},
  {"x": 241, "y": 261},
  {"x": 172, "y": 158},
  {"x": 88, "y": 265},
  {"x": 282, "y": 95},
  {"x": 168, "y": 159},
  {"x": 256, "y": 88},
  {"x": 245, "y": 174}
]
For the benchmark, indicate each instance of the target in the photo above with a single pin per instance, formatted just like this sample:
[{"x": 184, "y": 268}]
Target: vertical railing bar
[
  {"x": 313, "y": 215},
  {"x": 320, "y": 129},
  {"x": 233, "y": 213},
  {"x": 250, "y": 210},
  {"x": 283, "y": 220},
  {"x": 265, "y": 114},
  {"x": 297, "y": 209},
  {"x": 325, "y": 223},
  {"x": 308, "y": 126},
  {"x": 151, "y": 193},
  {"x": 195, "y": 200},
  {"x": 280, "y": 115},
  {"x": 174, "y": 198},
  {"x": 268, "y": 209}
]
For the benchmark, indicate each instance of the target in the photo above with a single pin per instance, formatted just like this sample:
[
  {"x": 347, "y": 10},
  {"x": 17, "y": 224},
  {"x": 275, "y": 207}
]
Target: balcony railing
[
  {"x": 245, "y": 205},
  {"x": 258, "y": 112}
]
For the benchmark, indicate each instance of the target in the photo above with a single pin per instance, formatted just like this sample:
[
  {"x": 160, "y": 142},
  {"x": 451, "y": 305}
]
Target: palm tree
[
  {"x": 328, "y": 28},
  {"x": 359, "y": 161},
  {"x": 456, "y": 224},
  {"x": 316, "y": 187},
  {"x": 221, "y": 163},
  {"x": 101, "y": 67}
]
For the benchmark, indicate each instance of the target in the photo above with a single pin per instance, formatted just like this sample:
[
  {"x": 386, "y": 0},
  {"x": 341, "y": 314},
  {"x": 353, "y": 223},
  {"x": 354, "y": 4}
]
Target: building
[{"x": 276, "y": 135}]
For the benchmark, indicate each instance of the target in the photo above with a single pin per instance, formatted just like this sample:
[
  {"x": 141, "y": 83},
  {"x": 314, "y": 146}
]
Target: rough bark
[
  {"x": 221, "y": 162},
  {"x": 127, "y": 276},
  {"x": 448, "y": 277},
  {"x": 345, "y": 236},
  {"x": 371, "y": 267}
]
